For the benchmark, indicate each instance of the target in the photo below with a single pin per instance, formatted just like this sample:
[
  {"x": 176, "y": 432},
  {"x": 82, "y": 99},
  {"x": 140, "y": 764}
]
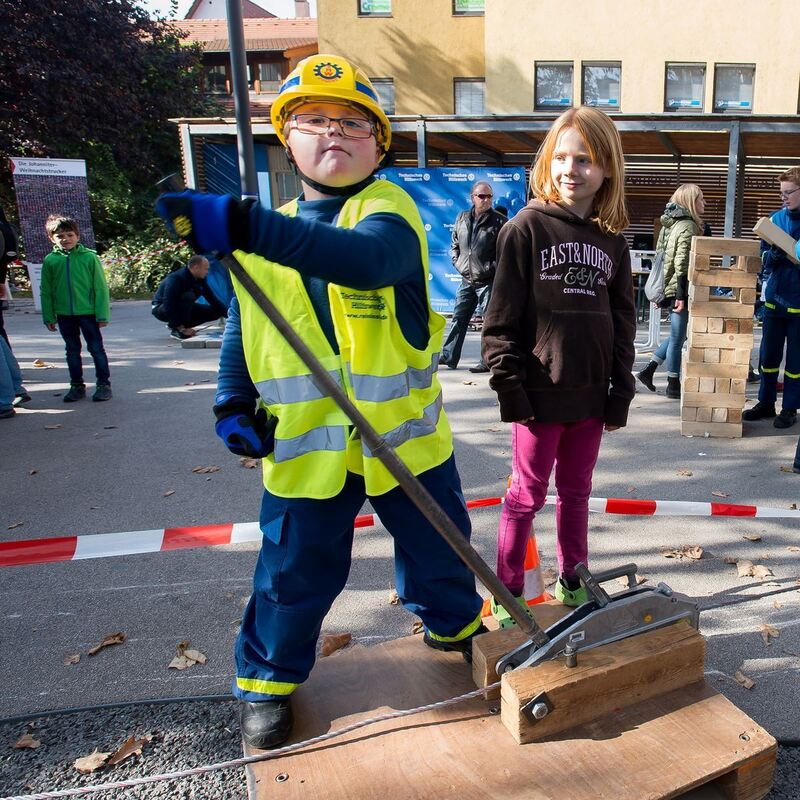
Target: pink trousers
[{"x": 573, "y": 448}]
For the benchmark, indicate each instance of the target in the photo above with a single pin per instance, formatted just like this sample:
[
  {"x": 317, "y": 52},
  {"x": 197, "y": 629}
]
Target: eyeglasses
[
  {"x": 484, "y": 196},
  {"x": 318, "y": 124},
  {"x": 787, "y": 195}
]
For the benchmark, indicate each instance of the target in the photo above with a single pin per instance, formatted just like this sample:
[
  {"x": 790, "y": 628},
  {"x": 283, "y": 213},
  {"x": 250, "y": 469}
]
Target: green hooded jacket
[
  {"x": 675, "y": 239},
  {"x": 73, "y": 283}
]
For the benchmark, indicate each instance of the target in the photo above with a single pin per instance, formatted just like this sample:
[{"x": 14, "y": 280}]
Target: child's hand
[
  {"x": 611, "y": 428},
  {"x": 102, "y": 324},
  {"x": 51, "y": 326}
]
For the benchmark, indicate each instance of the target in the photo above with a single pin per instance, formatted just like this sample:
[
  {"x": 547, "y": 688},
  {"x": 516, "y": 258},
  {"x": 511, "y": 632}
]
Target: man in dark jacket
[
  {"x": 175, "y": 301},
  {"x": 473, "y": 251}
]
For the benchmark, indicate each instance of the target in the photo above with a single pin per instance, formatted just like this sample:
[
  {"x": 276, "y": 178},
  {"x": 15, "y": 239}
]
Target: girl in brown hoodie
[{"x": 558, "y": 337}]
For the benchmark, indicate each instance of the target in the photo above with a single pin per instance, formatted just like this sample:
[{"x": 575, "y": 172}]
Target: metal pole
[
  {"x": 730, "y": 193},
  {"x": 241, "y": 100},
  {"x": 422, "y": 156}
]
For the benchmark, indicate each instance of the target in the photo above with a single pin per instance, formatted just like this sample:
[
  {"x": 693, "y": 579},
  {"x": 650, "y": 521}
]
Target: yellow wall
[
  {"x": 422, "y": 46},
  {"x": 643, "y": 36}
]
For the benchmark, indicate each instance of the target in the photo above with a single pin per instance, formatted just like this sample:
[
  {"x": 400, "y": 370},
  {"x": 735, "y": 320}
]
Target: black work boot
[
  {"x": 76, "y": 392},
  {"x": 646, "y": 375},
  {"x": 786, "y": 418},
  {"x": 266, "y": 724},
  {"x": 759, "y": 411},
  {"x": 674, "y": 388},
  {"x": 463, "y": 646}
]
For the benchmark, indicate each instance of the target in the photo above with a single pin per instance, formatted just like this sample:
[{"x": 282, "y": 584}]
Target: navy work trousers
[{"x": 780, "y": 328}]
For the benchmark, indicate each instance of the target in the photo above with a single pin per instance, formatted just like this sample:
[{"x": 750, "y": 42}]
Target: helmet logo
[{"x": 328, "y": 71}]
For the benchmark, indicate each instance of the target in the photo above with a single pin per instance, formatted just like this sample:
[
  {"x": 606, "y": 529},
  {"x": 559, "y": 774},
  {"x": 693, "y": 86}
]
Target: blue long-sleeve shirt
[
  {"x": 382, "y": 250},
  {"x": 781, "y": 274}
]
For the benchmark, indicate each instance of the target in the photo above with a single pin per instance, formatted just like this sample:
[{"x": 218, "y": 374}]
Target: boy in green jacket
[{"x": 75, "y": 299}]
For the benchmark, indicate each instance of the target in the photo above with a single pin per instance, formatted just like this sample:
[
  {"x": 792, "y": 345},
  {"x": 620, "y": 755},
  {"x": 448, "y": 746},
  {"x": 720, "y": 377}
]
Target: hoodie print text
[{"x": 581, "y": 267}]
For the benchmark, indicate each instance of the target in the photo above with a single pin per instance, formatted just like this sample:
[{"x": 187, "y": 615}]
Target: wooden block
[
  {"x": 629, "y": 671},
  {"x": 727, "y": 356},
  {"x": 488, "y": 648},
  {"x": 688, "y": 413},
  {"x": 713, "y": 400},
  {"x": 731, "y": 326},
  {"x": 719, "y": 246},
  {"x": 771, "y": 233},
  {"x": 699, "y": 293},
  {"x": 699, "y": 262},
  {"x": 691, "y": 384},
  {"x": 722, "y": 277},
  {"x": 719, "y": 340},
  {"x": 743, "y": 355},
  {"x": 730, "y": 430},
  {"x": 747, "y": 296},
  {"x": 722, "y": 385},
  {"x": 719, "y": 414},
  {"x": 704, "y": 414},
  {"x": 738, "y": 385},
  {"x": 716, "y": 324},
  {"x": 751, "y": 782},
  {"x": 750, "y": 265},
  {"x": 691, "y": 367},
  {"x": 705, "y": 386},
  {"x": 745, "y": 326},
  {"x": 723, "y": 307},
  {"x": 735, "y": 415},
  {"x": 711, "y": 355},
  {"x": 696, "y": 355},
  {"x": 698, "y": 324}
]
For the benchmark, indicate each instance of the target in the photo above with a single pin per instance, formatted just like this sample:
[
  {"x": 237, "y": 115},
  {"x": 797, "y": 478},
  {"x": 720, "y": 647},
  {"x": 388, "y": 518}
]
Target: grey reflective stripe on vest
[
  {"x": 326, "y": 437},
  {"x": 297, "y": 389},
  {"x": 413, "y": 429},
  {"x": 377, "y": 389}
]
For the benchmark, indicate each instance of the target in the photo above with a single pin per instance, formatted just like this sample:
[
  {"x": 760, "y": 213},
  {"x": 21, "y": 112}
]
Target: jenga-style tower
[{"x": 720, "y": 336}]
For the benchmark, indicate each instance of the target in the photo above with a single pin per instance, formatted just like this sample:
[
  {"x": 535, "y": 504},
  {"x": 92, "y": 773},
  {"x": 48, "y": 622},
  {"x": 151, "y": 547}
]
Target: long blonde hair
[
  {"x": 605, "y": 148},
  {"x": 687, "y": 195}
]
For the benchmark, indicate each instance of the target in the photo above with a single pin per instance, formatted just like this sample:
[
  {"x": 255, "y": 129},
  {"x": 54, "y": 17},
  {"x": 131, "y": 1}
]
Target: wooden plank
[
  {"x": 731, "y": 278},
  {"x": 716, "y": 324},
  {"x": 773, "y": 234},
  {"x": 745, "y": 326},
  {"x": 719, "y": 414},
  {"x": 700, "y": 263},
  {"x": 735, "y": 415},
  {"x": 738, "y": 385},
  {"x": 463, "y": 751},
  {"x": 731, "y": 340},
  {"x": 713, "y": 400},
  {"x": 705, "y": 385},
  {"x": 731, "y": 326},
  {"x": 688, "y": 413},
  {"x": 699, "y": 294},
  {"x": 720, "y": 246},
  {"x": 698, "y": 324},
  {"x": 710, "y": 355},
  {"x": 722, "y": 385},
  {"x": 630, "y": 671},
  {"x": 691, "y": 384},
  {"x": 746, "y": 296},
  {"x": 703, "y": 414},
  {"x": 729, "y": 430},
  {"x": 723, "y": 307},
  {"x": 749, "y": 264},
  {"x": 691, "y": 367}
]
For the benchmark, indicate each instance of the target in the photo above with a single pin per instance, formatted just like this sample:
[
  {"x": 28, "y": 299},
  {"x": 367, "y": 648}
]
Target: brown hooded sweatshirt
[{"x": 558, "y": 334}]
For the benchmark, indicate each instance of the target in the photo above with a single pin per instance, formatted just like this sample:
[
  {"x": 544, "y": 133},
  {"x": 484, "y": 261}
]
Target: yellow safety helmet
[{"x": 329, "y": 78}]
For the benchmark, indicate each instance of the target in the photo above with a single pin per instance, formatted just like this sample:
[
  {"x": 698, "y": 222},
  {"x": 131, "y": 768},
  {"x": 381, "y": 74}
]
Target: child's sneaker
[
  {"x": 75, "y": 393},
  {"x": 501, "y": 616},
  {"x": 570, "y": 597},
  {"x": 102, "y": 392},
  {"x": 22, "y": 397}
]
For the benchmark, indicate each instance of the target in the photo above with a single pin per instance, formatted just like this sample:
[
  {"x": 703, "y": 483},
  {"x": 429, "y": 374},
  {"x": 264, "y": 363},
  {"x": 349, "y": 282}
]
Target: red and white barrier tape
[{"x": 104, "y": 545}]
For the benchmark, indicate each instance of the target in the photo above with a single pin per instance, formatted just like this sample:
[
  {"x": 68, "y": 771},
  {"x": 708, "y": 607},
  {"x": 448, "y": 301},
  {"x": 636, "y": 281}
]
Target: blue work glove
[
  {"x": 204, "y": 221},
  {"x": 244, "y": 431}
]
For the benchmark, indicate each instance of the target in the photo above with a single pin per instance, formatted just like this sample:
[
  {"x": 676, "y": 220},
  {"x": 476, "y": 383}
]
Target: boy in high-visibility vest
[{"x": 347, "y": 265}]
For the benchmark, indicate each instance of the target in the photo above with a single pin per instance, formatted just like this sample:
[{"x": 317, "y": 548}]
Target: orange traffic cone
[{"x": 533, "y": 590}]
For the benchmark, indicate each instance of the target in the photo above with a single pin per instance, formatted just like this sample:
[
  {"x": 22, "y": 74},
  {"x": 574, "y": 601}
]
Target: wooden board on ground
[{"x": 657, "y": 749}]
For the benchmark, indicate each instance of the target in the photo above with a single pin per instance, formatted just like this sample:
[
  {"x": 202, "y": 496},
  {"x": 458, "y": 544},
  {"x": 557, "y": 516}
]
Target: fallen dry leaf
[
  {"x": 639, "y": 580},
  {"x": 685, "y": 472},
  {"x": 91, "y": 763},
  {"x": 760, "y": 572},
  {"x": 793, "y": 548},
  {"x": 14, "y": 525},
  {"x": 206, "y": 470},
  {"x": 185, "y": 658},
  {"x": 748, "y": 683},
  {"x": 72, "y": 659},
  {"x": 752, "y": 537},
  {"x": 793, "y": 506},
  {"x": 494, "y": 430},
  {"x": 130, "y": 747},
  {"x": 248, "y": 463},
  {"x": 417, "y": 626},
  {"x": 394, "y": 599},
  {"x": 630, "y": 489},
  {"x": 695, "y": 552},
  {"x": 38, "y": 363},
  {"x": 745, "y": 568},
  {"x": 169, "y": 493},
  {"x": 333, "y": 642},
  {"x": 196, "y": 656},
  {"x": 786, "y": 469},
  {"x": 180, "y": 663},
  {"x": 108, "y": 641},
  {"x": 26, "y": 742},
  {"x": 718, "y": 493},
  {"x": 768, "y": 633},
  {"x": 468, "y": 383},
  {"x": 776, "y": 605},
  {"x": 51, "y": 427}
]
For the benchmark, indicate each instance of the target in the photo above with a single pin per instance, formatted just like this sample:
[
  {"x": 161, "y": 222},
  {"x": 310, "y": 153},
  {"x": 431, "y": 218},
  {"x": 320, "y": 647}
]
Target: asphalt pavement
[{"x": 127, "y": 465}]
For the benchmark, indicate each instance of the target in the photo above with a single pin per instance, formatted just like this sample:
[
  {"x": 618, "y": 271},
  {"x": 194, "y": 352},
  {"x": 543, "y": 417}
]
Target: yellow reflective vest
[{"x": 394, "y": 385}]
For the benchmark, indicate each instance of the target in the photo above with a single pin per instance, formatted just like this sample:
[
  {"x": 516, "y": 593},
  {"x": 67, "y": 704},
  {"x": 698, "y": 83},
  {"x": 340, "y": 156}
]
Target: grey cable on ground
[{"x": 240, "y": 762}]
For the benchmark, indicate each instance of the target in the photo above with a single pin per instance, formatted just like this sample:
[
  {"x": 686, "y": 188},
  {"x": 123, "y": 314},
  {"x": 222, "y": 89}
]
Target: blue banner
[{"x": 441, "y": 194}]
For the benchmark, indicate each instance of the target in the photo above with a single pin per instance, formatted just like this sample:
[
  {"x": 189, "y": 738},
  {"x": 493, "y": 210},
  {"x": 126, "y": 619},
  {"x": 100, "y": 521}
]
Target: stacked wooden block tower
[{"x": 720, "y": 336}]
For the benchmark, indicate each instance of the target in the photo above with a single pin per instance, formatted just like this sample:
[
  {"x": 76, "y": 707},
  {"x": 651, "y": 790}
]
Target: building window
[
  {"x": 269, "y": 76},
  {"x": 685, "y": 87},
  {"x": 553, "y": 85},
  {"x": 601, "y": 85},
  {"x": 469, "y": 96},
  {"x": 374, "y": 8},
  {"x": 733, "y": 87},
  {"x": 466, "y": 8},
  {"x": 216, "y": 79},
  {"x": 385, "y": 89}
]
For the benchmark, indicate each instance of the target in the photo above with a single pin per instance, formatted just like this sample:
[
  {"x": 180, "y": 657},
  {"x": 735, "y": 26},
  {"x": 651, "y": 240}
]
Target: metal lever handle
[
  {"x": 597, "y": 592},
  {"x": 625, "y": 571}
]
